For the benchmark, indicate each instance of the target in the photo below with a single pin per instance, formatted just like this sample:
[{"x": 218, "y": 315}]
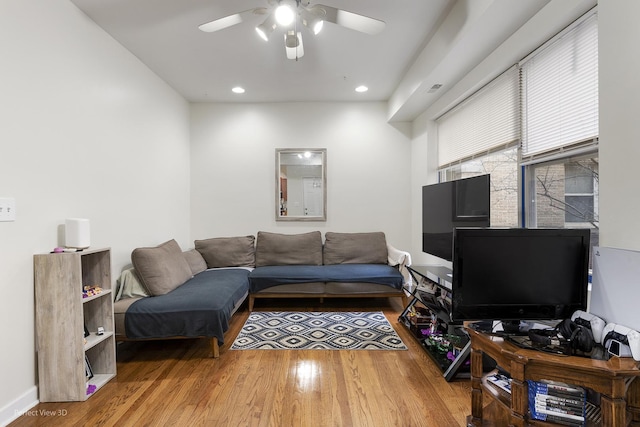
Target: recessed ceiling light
[
  {"x": 237, "y": 89},
  {"x": 362, "y": 89}
]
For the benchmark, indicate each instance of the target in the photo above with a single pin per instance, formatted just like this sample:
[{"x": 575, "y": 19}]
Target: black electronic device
[
  {"x": 446, "y": 205},
  {"x": 519, "y": 274}
]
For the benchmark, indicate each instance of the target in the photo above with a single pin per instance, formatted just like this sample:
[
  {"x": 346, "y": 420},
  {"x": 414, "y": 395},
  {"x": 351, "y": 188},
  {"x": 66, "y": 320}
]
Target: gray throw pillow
[
  {"x": 195, "y": 260},
  {"x": 228, "y": 251},
  {"x": 162, "y": 268},
  {"x": 355, "y": 248},
  {"x": 288, "y": 249}
]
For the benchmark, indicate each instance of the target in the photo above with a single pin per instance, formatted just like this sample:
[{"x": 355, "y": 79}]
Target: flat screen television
[
  {"x": 446, "y": 205},
  {"x": 519, "y": 274}
]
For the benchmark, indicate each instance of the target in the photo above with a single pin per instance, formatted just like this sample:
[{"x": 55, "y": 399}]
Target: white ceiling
[{"x": 424, "y": 42}]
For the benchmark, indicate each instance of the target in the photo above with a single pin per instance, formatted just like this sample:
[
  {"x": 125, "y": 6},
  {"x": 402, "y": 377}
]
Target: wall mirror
[{"x": 301, "y": 184}]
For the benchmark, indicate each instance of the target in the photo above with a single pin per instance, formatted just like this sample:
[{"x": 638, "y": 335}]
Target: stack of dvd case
[{"x": 557, "y": 402}]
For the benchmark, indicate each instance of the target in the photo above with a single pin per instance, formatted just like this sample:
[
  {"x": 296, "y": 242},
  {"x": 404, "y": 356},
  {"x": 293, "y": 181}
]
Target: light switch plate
[{"x": 7, "y": 209}]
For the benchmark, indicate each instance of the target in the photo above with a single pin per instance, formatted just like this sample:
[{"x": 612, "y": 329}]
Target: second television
[{"x": 446, "y": 205}]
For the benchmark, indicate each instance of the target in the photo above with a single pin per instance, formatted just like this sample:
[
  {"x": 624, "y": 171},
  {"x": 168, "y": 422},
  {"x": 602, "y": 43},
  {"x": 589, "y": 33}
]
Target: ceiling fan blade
[
  {"x": 228, "y": 21},
  {"x": 351, "y": 20}
]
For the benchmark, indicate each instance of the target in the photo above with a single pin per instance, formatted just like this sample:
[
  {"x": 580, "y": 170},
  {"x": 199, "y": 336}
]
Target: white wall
[
  {"x": 87, "y": 131},
  {"x": 233, "y": 167},
  {"x": 619, "y": 95},
  {"x": 424, "y": 167}
]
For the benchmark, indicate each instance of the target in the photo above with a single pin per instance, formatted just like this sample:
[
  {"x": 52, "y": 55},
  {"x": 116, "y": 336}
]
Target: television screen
[
  {"x": 461, "y": 203},
  {"x": 519, "y": 273}
]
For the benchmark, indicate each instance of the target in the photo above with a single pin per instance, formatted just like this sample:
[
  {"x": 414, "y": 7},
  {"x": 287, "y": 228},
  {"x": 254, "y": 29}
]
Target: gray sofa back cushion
[
  {"x": 195, "y": 260},
  {"x": 228, "y": 251},
  {"x": 355, "y": 248},
  {"x": 162, "y": 268},
  {"x": 288, "y": 249}
]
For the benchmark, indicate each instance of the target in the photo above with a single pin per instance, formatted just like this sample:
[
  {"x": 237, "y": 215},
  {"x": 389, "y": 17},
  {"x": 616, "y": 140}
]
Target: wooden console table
[{"x": 614, "y": 379}]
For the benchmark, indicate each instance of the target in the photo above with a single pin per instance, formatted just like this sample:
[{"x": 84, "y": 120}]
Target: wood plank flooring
[{"x": 176, "y": 382}]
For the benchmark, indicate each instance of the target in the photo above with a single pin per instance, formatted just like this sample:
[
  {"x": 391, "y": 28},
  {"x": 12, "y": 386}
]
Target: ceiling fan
[{"x": 286, "y": 14}]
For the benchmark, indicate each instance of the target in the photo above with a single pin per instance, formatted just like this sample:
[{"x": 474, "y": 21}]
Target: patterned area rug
[{"x": 282, "y": 330}]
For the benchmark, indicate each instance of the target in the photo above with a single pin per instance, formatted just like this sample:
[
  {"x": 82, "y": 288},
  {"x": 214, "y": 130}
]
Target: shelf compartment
[
  {"x": 100, "y": 295},
  {"x": 496, "y": 392},
  {"x": 95, "y": 339}
]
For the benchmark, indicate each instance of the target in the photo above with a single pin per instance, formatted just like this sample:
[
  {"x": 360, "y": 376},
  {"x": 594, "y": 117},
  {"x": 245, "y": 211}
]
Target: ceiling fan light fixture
[
  {"x": 312, "y": 19},
  {"x": 291, "y": 39},
  {"x": 293, "y": 45},
  {"x": 265, "y": 29},
  {"x": 317, "y": 27},
  {"x": 285, "y": 15}
]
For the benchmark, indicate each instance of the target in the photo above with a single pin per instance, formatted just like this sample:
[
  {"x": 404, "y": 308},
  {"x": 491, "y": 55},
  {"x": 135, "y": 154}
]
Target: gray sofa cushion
[
  {"x": 162, "y": 268},
  {"x": 195, "y": 260},
  {"x": 355, "y": 248},
  {"x": 228, "y": 251},
  {"x": 288, "y": 249}
]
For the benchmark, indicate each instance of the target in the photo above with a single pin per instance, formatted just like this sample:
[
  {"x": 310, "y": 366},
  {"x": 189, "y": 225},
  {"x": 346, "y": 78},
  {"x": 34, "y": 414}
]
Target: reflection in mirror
[{"x": 301, "y": 184}]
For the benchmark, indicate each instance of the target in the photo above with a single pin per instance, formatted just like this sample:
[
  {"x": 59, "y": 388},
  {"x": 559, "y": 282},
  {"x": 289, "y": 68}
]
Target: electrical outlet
[{"x": 7, "y": 209}]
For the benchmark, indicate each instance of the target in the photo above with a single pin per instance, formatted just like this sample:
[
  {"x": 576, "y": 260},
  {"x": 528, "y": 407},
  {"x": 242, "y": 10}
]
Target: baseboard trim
[{"x": 19, "y": 406}]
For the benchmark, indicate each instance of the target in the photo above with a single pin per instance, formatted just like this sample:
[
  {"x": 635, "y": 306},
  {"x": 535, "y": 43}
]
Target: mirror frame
[{"x": 323, "y": 155}]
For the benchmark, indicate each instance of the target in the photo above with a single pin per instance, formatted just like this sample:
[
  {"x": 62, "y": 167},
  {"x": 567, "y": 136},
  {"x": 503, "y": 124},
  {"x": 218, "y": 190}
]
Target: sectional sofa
[{"x": 171, "y": 293}]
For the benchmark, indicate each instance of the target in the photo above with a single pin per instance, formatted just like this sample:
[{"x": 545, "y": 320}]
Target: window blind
[
  {"x": 486, "y": 121},
  {"x": 560, "y": 91}
]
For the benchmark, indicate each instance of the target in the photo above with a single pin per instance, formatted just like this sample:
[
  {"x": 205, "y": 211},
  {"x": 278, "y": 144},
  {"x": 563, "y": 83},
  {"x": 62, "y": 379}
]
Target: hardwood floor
[{"x": 175, "y": 382}]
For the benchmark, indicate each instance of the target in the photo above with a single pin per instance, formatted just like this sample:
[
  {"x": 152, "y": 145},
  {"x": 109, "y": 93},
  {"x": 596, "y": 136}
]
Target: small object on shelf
[
  {"x": 91, "y": 290},
  {"x": 87, "y": 368},
  {"x": 558, "y": 402},
  {"x": 91, "y": 388},
  {"x": 100, "y": 330},
  {"x": 500, "y": 380}
]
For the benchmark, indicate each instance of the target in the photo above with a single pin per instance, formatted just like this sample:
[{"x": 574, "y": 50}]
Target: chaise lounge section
[{"x": 174, "y": 294}]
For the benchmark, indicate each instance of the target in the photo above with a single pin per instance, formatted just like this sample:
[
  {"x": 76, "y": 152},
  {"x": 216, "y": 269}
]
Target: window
[
  {"x": 580, "y": 184},
  {"x": 559, "y": 89},
  {"x": 487, "y": 121},
  {"x": 549, "y": 167},
  {"x": 564, "y": 194},
  {"x": 560, "y": 130}
]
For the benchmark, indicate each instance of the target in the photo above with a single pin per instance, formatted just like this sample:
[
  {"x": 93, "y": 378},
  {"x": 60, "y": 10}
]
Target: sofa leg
[
  {"x": 215, "y": 347},
  {"x": 251, "y": 300},
  {"x": 405, "y": 300}
]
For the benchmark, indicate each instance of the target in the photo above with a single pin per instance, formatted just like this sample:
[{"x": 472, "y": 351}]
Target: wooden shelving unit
[{"x": 62, "y": 314}]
